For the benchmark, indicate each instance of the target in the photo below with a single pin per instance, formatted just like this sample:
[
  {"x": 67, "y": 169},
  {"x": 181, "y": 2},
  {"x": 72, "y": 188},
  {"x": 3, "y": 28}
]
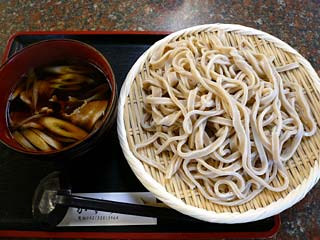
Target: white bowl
[{"x": 253, "y": 214}]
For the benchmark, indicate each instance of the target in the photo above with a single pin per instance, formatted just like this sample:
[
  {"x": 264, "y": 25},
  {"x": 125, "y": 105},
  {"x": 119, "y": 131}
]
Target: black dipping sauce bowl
[{"x": 45, "y": 53}]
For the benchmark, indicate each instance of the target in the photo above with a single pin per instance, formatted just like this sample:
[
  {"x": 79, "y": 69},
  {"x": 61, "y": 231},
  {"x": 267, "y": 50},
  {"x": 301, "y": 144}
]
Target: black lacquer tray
[{"x": 103, "y": 169}]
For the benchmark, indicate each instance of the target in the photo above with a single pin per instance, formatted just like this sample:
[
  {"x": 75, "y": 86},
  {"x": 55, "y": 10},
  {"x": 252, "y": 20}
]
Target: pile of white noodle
[{"x": 223, "y": 116}]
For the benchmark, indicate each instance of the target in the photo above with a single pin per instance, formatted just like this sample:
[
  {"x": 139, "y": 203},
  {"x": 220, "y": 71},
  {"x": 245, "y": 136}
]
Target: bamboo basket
[{"x": 303, "y": 168}]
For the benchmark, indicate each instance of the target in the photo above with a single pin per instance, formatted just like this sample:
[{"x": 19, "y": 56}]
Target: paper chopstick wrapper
[{"x": 85, "y": 217}]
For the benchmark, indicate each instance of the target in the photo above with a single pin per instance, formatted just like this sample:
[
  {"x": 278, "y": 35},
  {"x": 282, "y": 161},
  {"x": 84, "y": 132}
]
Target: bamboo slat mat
[{"x": 304, "y": 162}]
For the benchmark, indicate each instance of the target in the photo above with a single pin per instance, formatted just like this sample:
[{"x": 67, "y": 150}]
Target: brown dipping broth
[{"x": 55, "y": 106}]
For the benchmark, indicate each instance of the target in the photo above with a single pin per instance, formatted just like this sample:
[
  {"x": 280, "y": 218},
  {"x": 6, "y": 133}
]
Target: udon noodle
[{"x": 224, "y": 116}]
